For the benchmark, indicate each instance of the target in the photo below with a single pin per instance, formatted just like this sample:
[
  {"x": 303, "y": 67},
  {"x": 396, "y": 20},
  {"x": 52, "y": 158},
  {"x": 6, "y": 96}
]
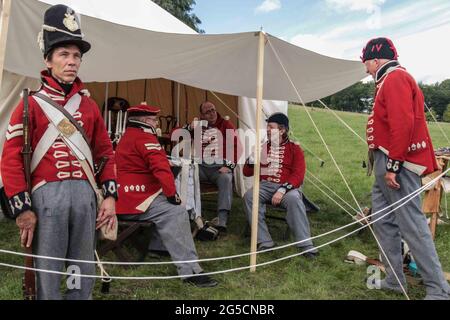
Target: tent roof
[
  {"x": 125, "y": 47},
  {"x": 143, "y": 14}
]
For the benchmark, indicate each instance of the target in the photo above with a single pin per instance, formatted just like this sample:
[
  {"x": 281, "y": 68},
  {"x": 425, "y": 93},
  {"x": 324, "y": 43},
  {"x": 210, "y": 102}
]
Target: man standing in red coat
[
  {"x": 147, "y": 191},
  {"x": 59, "y": 218},
  {"x": 282, "y": 172},
  {"x": 398, "y": 136}
]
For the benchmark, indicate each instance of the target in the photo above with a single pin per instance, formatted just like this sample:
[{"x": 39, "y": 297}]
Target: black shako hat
[
  {"x": 61, "y": 27},
  {"x": 279, "y": 118},
  {"x": 379, "y": 48}
]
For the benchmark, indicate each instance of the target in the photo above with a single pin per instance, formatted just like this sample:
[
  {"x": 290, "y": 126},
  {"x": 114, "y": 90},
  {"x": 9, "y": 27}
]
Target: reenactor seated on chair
[
  {"x": 218, "y": 156},
  {"x": 282, "y": 173},
  {"x": 147, "y": 191}
]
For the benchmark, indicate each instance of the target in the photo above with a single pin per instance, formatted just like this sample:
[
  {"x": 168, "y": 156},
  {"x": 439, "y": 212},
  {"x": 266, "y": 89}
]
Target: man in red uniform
[
  {"x": 282, "y": 172},
  {"x": 60, "y": 216},
  {"x": 147, "y": 191},
  {"x": 398, "y": 136},
  {"x": 218, "y": 156}
]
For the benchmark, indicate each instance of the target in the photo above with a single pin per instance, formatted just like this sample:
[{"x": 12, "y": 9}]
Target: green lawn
[{"x": 326, "y": 278}]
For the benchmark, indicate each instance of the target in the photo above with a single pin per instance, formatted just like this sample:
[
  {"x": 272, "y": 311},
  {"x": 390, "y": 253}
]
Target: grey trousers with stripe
[
  {"x": 409, "y": 223},
  {"x": 66, "y": 213},
  {"x": 295, "y": 217},
  {"x": 173, "y": 227}
]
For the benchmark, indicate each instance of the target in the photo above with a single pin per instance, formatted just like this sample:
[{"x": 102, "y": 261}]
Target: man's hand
[
  {"x": 276, "y": 199},
  {"x": 26, "y": 222},
  {"x": 225, "y": 170},
  {"x": 390, "y": 180},
  {"x": 175, "y": 199},
  {"x": 106, "y": 213}
]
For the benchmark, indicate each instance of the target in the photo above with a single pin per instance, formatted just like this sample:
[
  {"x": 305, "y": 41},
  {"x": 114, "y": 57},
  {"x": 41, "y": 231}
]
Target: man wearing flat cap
[
  {"x": 68, "y": 139},
  {"x": 148, "y": 193},
  {"x": 398, "y": 139},
  {"x": 282, "y": 172}
]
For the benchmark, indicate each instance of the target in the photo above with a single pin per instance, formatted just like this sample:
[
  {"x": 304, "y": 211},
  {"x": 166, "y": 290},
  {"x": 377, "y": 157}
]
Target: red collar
[{"x": 51, "y": 86}]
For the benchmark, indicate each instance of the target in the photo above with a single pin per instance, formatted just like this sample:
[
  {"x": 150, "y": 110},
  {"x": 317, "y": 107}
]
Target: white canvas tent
[
  {"x": 125, "y": 47},
  {"x": 135, "y": 39}
]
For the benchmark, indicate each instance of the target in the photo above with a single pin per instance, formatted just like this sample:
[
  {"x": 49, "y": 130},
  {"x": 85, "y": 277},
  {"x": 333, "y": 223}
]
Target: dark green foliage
[
  {"x": 437, "y": 96},
  {"x": 182, "y": 9},
  {"x": 359, "y": 98}
]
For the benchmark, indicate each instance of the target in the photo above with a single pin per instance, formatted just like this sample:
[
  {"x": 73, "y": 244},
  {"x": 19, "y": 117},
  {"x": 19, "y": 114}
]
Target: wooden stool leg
[
  {"x": 110, "y": 245},
  {"x": 433, "y": 223}
]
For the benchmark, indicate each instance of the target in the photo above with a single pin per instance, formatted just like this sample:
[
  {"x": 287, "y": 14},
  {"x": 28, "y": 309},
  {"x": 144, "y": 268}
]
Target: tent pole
[
  {"x": 257, "y": 169},
  {"x": 177, "y": 102},
  {"x": 6, "y": 12},
  {"x": 105, "y": 110}
]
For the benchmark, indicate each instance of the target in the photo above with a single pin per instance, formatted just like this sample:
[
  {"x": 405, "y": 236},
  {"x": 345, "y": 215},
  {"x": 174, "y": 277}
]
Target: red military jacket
[
  {"x": 58, "y": 163},
  {"x": 284, "y": 164},
  {"x": 397, "y": 125},
  {"x": 227, "y": 149},
  {"x": 143, "y": 171}
]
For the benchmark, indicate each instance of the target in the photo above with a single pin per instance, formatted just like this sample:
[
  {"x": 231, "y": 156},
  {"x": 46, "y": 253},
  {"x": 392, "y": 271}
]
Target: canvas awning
[{"x": 124, "y": 49}]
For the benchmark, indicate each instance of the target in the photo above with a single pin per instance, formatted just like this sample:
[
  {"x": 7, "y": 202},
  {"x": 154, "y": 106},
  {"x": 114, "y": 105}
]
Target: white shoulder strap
[
  {"x": 52, "y": 133},
  {"x": 75, "y": 141}
]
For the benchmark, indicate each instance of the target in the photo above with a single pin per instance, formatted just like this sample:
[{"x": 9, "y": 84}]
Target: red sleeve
[
  {"x": 102, "y": 146},
  {"x": 248, "y": 170},
  {"x": 298, "y": 167},
  {"x": 400, "y": 113},
  {"x": 13, "y": 175},
  {"x": 156, "y": 159}
]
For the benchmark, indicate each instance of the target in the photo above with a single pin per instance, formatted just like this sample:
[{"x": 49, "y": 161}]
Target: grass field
[{"x": 326, "y": 278}]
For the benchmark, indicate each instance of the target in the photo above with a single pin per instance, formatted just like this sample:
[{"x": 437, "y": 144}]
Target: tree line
[{"x": 359, "y": 98}]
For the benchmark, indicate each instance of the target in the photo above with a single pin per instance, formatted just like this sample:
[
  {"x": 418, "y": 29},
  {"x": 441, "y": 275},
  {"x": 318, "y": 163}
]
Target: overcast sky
[{"x": 340, "y": 28}]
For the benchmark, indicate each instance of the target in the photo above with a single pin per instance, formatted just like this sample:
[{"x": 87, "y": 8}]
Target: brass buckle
[{"x": 66, "y": 127}]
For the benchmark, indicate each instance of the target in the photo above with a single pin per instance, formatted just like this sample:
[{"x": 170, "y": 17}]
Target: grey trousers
[
  {"x": 66, "y": 213},
  {"x": 409, "y": 223},
  {"x": 223, "y": 181},
  {"x": 296, "y": 214},
  {"x": 173, "y": 227}
]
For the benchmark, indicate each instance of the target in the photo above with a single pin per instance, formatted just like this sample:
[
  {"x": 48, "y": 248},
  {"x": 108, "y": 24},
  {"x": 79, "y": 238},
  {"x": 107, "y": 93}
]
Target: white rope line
[
  {"x": 343, "y": 122},
  {"x": 435, "y": 120},
  {"x": 306, "y": 148},
  {"x": 314, "y": 124},
  {"x": 327, "y": 195},
  {"x": 332, "y": 191},
  {"x": 334, "y": 161},
  {"x": 214, "y": 272},
  {"x": 407, "y": 198},
  {"x": 266, "y": 115}
]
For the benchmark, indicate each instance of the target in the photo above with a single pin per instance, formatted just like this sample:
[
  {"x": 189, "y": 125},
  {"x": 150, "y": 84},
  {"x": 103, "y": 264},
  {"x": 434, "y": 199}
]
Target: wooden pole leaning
[
  {"x": 259, "y": 100},
  {"x": 4, "y": 26}
]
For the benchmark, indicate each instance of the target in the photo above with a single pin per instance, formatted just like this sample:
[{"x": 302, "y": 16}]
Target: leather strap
[{"x": 65, "y": 113}]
